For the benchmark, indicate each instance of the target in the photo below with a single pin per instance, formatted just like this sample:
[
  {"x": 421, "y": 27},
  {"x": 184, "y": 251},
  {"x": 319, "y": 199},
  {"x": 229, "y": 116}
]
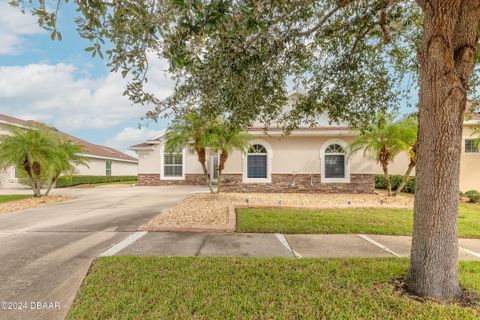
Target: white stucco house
[
  {"x": 308, "y": 160},
  {"x": 102, "y": 161}
]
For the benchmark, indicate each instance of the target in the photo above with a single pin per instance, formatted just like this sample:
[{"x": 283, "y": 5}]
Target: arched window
[
  {"x": 257, "y": 162},
  {"x": 334, "y": 162}
]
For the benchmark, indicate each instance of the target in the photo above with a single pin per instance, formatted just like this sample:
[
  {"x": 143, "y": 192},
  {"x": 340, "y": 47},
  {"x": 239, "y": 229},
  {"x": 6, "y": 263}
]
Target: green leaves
[
  {"x": 41, "y": 154},
  {"x": 56, "y": 34},
  {"x": 386, "y": 138},
  {"x": 244, "y": 58}
]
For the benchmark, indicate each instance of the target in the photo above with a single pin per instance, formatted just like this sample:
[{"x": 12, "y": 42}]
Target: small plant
[{"x": 473, "y": 196}]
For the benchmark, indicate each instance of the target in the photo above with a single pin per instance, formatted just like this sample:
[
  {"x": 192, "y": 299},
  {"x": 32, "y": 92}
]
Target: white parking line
[
  {"x": 381, "y": 246},
  {"x": 285, "y": 243},
  {"x": 123, "y": 244},
  {"x": 471, "y": 252}
]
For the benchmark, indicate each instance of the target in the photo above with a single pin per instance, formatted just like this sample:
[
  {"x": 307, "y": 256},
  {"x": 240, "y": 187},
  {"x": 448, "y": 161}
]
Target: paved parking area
[
  {"x": 293, "y": 245},
  {"x": 207, "y": 244}
]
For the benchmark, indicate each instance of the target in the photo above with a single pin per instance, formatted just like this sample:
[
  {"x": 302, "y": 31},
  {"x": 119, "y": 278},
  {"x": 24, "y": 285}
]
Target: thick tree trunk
[
  {"x": 387, "y": 178},
  {"x": 405, "y": 178},
  {"x": 446, "y": 57}
]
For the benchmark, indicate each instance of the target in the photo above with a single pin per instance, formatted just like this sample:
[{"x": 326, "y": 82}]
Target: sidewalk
[{"x": 268, "y": 244}]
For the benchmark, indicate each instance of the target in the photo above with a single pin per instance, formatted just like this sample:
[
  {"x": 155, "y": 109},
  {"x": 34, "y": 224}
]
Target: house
[
  {"x": 470, "y": 160},
  {"x": 308, "y": 160},
  {"x": 102, "y": 161}
]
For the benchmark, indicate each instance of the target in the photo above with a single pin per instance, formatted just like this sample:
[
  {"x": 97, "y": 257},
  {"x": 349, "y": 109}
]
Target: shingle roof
[{"x": 89, "y": 148}]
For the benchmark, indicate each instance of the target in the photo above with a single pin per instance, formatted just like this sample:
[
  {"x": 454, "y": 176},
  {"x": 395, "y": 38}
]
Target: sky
[{"x": 58, "y": 83}]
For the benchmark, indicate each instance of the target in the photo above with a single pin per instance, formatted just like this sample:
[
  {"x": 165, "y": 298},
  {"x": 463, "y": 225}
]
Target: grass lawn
[
  {"x": 13, "y": 197},
  {"x": 257, "y": 288},
  {"x": 372, "y": 221}
]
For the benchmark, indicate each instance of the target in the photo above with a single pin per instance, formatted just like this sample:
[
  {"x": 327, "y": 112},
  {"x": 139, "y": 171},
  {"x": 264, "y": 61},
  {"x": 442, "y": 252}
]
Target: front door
[{"x": 214, "y": 167}]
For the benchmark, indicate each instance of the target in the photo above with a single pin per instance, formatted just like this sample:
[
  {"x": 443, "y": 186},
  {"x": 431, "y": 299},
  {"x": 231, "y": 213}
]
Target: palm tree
[
  {"x": 382, "y": 141},
  {"x": 32, "y": 151},
  {"x": 409, "y": 132},
  {"x": 67, "y": 158},
  {"x": 193, "y": 131},
  {"x": 227, "y": 138}
]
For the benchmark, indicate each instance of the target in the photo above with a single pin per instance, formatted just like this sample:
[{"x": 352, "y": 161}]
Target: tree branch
[{"x": 321, "y": 22}]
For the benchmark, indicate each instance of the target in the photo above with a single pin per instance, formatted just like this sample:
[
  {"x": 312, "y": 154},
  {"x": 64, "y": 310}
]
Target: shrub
[
  {"x": 473, "y": 196},
  {"x": 381, "y": 183},
  {"x": 63, "y": 182}
]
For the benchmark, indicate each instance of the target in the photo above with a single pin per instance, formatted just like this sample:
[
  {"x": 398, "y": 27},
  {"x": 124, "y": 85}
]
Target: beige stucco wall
[
  {"x": 149, "y": 160},
  {"x": 7, "y": 179},
  {"x": 290, "y": 155},
  {"x": 469, "y": 165},
  {"x": 302, "y": 155},
  {"x": 97, "y": 167}
]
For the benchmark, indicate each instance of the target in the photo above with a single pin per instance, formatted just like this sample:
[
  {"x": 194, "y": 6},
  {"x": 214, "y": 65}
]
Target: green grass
[
  {"x": 13, "y": 197},
  {"x": 372, "y": 221},
  {"x": 257, "y": 288}
]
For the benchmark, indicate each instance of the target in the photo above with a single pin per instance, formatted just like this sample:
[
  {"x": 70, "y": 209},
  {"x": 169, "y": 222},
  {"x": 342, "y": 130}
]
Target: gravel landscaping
[
  {"x": 30, "y": 203},
  {"x": 212, "y": 209}
]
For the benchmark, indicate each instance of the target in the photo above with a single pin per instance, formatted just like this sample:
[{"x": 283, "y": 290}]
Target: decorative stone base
[
  {"x": 285, "y": 183},
  {"x": 300, "y": 183},
  {"x": 153, "y": 179}
]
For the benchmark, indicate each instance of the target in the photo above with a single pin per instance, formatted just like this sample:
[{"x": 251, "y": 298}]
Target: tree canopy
[{"x": 347, "y": 58}]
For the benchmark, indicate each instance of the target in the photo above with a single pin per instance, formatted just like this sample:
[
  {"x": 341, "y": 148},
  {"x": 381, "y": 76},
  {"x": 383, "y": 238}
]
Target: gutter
[{"x": 106, "y": 158}]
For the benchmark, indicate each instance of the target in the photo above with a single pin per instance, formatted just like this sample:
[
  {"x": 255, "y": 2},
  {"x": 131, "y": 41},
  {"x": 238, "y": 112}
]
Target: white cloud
[
  {"x": 130, "y": 136},
  {"x": 61, "y": 96},
  {"x": 13, "y": 25}
]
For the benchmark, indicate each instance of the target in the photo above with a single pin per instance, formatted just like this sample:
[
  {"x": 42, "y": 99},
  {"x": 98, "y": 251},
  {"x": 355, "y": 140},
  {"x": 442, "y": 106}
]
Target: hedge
[
  {"x": 473, "y": 196},
  {"x": 63, "y": 182},
  {"x": 381, "y": 183}
]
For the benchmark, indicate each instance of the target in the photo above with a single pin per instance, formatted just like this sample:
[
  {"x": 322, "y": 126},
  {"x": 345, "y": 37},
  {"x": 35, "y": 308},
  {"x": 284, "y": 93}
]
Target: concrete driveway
[{"x": 46, "y": 252}]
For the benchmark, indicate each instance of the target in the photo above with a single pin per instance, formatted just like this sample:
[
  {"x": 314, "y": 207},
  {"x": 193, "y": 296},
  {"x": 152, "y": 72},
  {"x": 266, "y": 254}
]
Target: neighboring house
[
  {"x": 470, "y": 161},
  {"x": 309, "y": 160},
  {"x": 102, "y": 161}
]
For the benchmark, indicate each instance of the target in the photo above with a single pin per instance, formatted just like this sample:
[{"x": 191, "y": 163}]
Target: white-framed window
[
  {"x": 173, "y": 164},
  {"x": 334, "y": 162},
  {"x": 14, "y": 173},
  {"x": 257, "y": 164},
  {"x": 471, "y": 146},
  {"x": 108, "y": 168}
]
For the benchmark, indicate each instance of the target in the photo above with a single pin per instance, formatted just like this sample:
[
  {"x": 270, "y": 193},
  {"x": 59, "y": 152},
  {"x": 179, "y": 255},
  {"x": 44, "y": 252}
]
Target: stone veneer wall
[
  {"x": 306, "y": 183},
  {"x": 153, "y": 179}
]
